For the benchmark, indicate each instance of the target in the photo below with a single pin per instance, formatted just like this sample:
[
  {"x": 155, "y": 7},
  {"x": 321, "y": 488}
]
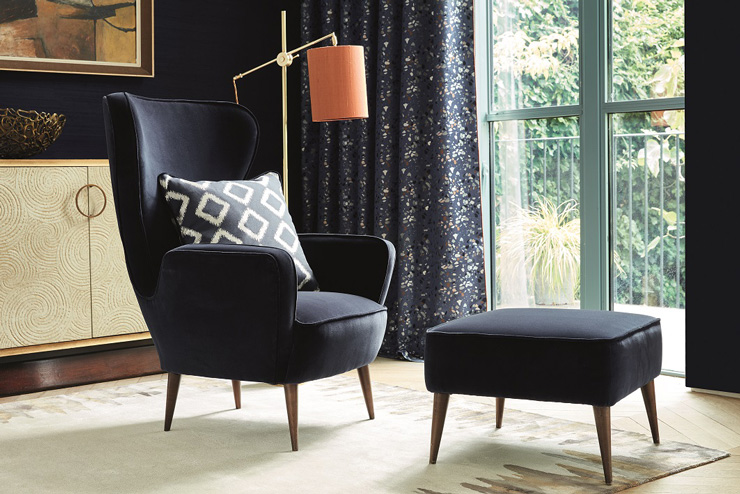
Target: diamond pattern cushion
[{"x": 250, "y": 212}]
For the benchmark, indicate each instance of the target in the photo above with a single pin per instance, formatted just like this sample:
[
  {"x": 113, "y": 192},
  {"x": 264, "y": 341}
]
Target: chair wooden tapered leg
[
  {"x": 367, "y": 390},
  {"x": 291, "y": 402},
  {"x": 237, "y": 386},
  {"x": 648, "y": 395},
  {"x": 499, "y": 412},
  {"x": 439, "y": 412},
  {"x": 604, "y": 431},
  {"x": 173, "y": 386}
]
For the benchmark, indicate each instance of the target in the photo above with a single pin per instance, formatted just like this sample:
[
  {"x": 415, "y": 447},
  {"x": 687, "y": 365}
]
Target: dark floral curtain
[{"x": 410, "y": 172}]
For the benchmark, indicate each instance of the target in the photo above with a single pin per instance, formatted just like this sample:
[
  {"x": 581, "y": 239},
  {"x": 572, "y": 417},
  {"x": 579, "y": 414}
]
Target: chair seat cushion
[
  {"x": 573, "y": 356},
  {"x": 334, "y": 333},
  {"x": 317, "y": 308}
]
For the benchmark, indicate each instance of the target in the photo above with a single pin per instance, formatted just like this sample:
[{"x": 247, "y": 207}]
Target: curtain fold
[{"x": 410, "y": 172}]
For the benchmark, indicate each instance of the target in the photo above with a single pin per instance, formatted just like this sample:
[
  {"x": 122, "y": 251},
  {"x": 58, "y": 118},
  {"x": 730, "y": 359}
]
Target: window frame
[{"x": 594, "y": 110}]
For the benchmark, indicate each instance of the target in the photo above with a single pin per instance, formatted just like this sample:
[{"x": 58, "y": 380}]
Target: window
[{"x": 583, "y": 105}]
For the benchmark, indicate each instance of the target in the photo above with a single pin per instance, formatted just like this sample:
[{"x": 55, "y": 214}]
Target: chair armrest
[
  {"x": 356, "y": 264},
  {"x": 224, "y": 311}
]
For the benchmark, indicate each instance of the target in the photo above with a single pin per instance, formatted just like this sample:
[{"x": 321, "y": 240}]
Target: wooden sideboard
[{"x": 64, "y": 290}]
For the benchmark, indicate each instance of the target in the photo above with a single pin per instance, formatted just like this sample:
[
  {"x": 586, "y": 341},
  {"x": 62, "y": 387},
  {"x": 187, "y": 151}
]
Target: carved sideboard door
[
  {"x": 114, "y": 307},
  {"x": 62, "y": 271},
  {"x": 44, "y": 258}
]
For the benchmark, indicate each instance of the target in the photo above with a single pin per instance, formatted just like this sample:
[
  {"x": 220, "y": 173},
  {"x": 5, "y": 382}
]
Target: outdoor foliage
[{"x": 536, "y": 64}]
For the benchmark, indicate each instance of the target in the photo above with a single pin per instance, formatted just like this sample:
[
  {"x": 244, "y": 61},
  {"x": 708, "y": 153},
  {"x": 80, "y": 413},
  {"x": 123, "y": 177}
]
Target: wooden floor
[{"x": 686, "y": 416}]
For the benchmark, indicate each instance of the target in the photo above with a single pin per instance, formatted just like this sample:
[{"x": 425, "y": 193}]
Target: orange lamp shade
[{"x": 336, "y": 78}]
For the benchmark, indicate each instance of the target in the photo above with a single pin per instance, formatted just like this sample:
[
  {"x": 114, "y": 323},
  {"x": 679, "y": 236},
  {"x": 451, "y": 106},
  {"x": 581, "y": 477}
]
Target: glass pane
[
  {"x": 536, "y": 186},
  {"x": 647, "y": 49},
  {"x": 649, "y": 256},
  {"x": 535, "y": 53}
]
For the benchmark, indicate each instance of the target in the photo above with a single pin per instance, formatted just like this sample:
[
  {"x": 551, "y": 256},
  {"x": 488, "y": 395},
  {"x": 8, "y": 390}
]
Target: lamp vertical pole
[
  {"x": 284, "y": 70},
  {"x": 284, "y": 59}
]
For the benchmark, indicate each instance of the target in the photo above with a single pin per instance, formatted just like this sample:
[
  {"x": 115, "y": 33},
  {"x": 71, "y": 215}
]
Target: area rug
[{"x": 111, "y": 440}]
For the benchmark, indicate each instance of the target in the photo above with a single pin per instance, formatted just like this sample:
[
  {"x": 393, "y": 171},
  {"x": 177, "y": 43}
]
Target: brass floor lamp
[{"x": 336, "y": 78}]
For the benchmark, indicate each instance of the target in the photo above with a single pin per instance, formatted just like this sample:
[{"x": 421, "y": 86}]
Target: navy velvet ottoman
[{"x": 572, "y": 356}]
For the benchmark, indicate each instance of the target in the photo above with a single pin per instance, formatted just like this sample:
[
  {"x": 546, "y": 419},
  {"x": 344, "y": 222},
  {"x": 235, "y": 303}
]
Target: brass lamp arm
[
  {"x": 283, "y": 59},
  {"x": 330, "y": 35},
  {"x": 239, "y": 76}
]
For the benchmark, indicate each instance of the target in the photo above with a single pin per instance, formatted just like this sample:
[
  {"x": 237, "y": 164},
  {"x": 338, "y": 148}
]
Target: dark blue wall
[{"x": 199, "y": 46}]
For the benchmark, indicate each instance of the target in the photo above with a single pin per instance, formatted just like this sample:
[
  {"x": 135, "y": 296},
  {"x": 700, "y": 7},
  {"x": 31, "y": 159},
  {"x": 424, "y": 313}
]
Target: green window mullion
[{"x": 594, "y": 177}]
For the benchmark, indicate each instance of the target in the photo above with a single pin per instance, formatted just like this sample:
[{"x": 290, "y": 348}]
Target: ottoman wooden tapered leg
[
  {"x": 604, "y": 431},
  {"x": 648, "y": 396},
  {"x": 441, "y": 400}
]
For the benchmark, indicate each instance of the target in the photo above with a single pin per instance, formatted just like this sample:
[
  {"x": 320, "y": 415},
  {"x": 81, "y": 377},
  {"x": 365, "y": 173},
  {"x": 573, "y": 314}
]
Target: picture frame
[{"x": 102, "y": 37}]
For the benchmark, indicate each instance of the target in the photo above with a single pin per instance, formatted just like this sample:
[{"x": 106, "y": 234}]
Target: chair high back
[{"x": 194, "y": 140}]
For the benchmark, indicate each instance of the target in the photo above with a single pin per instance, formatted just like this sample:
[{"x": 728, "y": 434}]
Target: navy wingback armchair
[{"x": 233, "y": 311}]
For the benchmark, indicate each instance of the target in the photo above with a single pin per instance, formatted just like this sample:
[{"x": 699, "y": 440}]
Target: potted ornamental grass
[{"x": 547, "y": 240}]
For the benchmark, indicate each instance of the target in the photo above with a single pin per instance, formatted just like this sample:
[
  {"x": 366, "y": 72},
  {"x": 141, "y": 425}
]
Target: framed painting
[{"x": 109, "y": 37}]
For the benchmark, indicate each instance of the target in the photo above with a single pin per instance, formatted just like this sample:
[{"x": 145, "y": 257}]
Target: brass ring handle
[{"x": 77, "y": 202}]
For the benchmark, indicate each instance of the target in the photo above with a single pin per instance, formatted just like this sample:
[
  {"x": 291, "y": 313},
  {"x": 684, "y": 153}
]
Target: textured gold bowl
[{"x": 25, "y": 133}]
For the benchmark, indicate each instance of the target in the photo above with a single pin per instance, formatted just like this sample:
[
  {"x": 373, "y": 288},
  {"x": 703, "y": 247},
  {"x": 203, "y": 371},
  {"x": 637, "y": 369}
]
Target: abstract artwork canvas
[{"x": 111, "y": 37}]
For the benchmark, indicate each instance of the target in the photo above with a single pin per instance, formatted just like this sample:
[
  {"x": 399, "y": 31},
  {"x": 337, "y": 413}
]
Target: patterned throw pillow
[{"x": 250, "y": 212}]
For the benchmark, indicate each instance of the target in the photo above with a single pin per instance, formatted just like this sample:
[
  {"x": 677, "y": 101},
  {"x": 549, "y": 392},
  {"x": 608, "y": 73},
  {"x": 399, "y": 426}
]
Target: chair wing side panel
[
  {"x": 195, "y": 140},
  {"x": 125, "y": 179},
  {"x": 358, "y": 264}
]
